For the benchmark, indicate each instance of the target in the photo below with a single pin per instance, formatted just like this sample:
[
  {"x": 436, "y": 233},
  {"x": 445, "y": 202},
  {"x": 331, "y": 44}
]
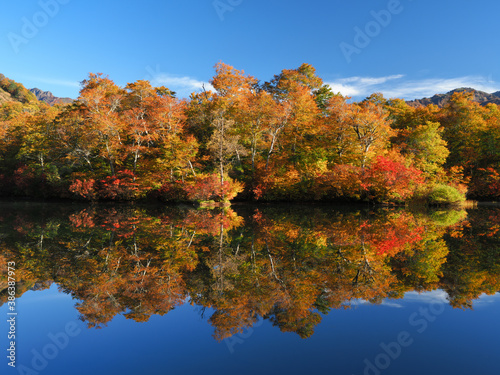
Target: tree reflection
[{"x": 287, "y": 265}]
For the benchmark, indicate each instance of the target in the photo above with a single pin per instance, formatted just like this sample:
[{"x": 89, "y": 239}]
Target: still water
[{"x": 253, "y": 289}]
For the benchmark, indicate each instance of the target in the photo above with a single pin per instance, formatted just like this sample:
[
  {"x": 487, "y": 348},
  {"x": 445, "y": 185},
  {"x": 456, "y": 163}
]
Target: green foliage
[
  {"x": 448, "y": 217},
  {"x": 426, "y": 147},
  {"x": 441, "y": 194}
]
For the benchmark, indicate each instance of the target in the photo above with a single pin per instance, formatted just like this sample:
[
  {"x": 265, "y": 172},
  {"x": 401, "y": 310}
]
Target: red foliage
[
  {"x": 171, "y": 191},
  {"x": 390, "y": 180},
  {"x": 120, "y": 187},
  {"x": 23, "y": 178},
  {"x": 82, "y": 219},
  {"x": 343, "y": 181},
  {"x": 208, "y": 187},
  {"x": 392, "y": 236},
  {"x": 203, "y": 188},
  {"x": 30, "y": 181},
  {"x": 257, "y": 191},
  {"x": 386, "y": 179},
  {"x": 84, "y": 188},
  {"x": 280, "y": 184}
]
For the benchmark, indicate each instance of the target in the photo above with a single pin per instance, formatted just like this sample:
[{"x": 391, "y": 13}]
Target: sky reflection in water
[{"x": 255, "y": 290}]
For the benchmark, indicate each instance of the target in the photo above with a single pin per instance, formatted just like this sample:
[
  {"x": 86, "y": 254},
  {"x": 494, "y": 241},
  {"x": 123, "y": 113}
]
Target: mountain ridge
[
  {"x": 48, "y": 97},
  {"x": 482, "y": 97},
  {"x": 13, "y": 91}
]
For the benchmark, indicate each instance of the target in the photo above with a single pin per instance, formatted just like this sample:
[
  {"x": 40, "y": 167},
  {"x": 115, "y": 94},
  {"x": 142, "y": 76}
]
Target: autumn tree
[
  {"x": 335, "y": 136},
  {"x": 425, "y": 146},
  {"x": 38, "y": 141},
  {"x": 155, "y": 130},
  {"x": 371, "y": 129},
  {"x": 100, "y": 100},
  {"x": 463, "y": 120},
  {"x": 294, "y": 91}
]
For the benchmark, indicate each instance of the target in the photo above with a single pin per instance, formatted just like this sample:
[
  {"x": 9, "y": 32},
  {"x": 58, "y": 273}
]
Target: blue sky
[{"x": 405, "y": 48}]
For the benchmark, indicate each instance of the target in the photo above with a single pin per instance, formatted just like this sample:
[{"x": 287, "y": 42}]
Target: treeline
[
  {"x": 288, "y": 139},
  {"x": 283, "y": 266}
]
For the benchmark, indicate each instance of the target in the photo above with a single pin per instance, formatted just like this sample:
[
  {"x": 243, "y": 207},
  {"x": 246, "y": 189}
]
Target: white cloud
[
  {"x": 55, "y": 82},
  {"x": 385, "y": 302},
  {"x": 360, "y": 86},
  {"x": 395, "y": 86},
  {"x": 182, "y": 85},
  {"x": 434, "y": 296},
  {"x": 424, "y": 88},
  {"x": 486, "y": 300},
  {"x": 346, "y": 90},
  {"x": 370, "y": 81}
]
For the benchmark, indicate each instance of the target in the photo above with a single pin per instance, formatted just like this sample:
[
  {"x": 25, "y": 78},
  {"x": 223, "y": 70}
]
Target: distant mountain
[
  {"x": 49, "y": 98},
  {"x": 440, "y": 100},
  {"x": 12, "y": 91}
]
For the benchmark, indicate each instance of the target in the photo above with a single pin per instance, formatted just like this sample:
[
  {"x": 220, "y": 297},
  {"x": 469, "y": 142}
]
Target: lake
[{"x": 267, "y": 289}]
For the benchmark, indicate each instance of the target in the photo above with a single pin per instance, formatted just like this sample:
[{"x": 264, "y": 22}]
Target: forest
[{"x": 289, "y": 139}]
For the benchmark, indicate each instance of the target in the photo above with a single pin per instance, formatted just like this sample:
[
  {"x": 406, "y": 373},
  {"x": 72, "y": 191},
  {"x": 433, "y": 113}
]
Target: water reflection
[{"x": 287, "y": 265}]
